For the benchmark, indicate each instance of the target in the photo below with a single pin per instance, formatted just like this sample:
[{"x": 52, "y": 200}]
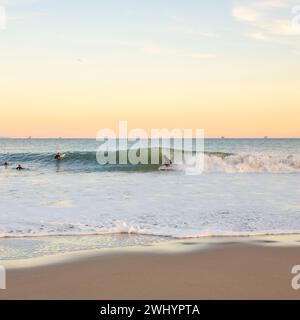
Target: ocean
[{"x": 248, "y": 187}]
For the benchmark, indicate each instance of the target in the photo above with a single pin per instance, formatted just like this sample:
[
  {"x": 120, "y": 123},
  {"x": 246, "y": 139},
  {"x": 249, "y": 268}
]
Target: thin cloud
[
  {"x": 201, "y": 56},
  {"x": 19, "y": 16},
  {"x": 258, "y": 36},
  {"x": 272, "y": 4},
  {"x": 246, "y": 14},
  {"x": 195, "y": 32},
  {"x": 150, "y": 48},
  {"x": 143, "y": 47},
  {"x": 155, "y": 49},
  {"x": 268, "y": 17},
  {"x": 23, "y": 16}
]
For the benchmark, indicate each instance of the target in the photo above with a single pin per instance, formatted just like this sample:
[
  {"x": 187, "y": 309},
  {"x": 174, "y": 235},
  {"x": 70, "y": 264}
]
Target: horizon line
[{"x": 93, "y": 138}]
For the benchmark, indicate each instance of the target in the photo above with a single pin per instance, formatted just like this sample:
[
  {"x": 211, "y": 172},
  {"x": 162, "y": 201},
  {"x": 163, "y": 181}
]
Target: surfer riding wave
[{"x": 59, "y": 156}]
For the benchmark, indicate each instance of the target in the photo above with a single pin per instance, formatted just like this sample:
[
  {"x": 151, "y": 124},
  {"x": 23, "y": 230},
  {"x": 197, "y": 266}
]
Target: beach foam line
[{"x": 131, "y": 230}]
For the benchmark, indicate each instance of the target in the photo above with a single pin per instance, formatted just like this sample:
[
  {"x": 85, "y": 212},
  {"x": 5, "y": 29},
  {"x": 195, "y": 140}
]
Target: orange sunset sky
[{"x": 69, "y": 68}]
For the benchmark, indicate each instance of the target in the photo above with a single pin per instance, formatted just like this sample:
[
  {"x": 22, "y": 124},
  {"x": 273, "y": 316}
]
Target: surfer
[
  {"x": 168, "y": 162},
  {"x": 5, "y": 164},
  {"x": 168, "y": 165},
  {"x": 19, "y": 167},
  {"x": 58, "y": 156}
]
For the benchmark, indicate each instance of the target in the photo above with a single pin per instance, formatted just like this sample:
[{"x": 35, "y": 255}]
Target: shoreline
[
  {"x": 158, "y": 244},
  {"x": 189, "y": 269}
]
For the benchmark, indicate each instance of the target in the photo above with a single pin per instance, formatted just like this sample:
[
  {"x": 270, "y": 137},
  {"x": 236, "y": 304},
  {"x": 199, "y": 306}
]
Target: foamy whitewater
[{"x": 249, "y": 187}]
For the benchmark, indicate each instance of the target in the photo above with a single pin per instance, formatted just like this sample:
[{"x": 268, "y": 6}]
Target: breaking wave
[
  {"x": 213, "y": 161},
  {"x": 252, "y": 163}
]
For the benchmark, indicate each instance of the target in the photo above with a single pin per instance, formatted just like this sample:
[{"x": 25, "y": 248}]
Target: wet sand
[{"x": 222, "y": 271}]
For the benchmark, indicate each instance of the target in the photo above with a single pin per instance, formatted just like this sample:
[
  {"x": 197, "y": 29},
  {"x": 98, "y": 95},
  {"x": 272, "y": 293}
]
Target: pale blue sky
[{"x": 198, "y": 29}]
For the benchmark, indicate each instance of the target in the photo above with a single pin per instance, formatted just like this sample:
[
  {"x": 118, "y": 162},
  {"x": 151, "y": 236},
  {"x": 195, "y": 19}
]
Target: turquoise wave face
[
  {"x": 73, "y": 161},
  {"x": 131, "y": 159}
]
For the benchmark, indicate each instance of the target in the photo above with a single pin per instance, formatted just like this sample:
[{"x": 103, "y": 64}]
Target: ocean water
[{"x": 248, "y": 187}]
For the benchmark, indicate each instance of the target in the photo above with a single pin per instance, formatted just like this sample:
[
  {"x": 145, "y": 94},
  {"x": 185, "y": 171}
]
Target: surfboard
[{"x": 165, "y": 168}]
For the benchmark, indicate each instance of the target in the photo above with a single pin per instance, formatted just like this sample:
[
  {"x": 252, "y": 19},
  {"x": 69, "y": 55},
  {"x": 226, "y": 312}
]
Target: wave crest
[{"x": 243, "y": 163}]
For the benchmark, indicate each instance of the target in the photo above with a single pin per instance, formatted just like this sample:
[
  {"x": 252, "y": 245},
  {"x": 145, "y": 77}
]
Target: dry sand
[{"x": 228, "y": 271}]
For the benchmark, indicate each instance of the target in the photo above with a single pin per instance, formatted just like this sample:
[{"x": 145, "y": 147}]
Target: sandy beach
[{"x": 222, "y": 271}]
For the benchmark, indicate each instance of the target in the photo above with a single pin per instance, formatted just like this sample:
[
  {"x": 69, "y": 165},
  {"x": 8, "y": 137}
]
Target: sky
[{"x": 69, "y": 68}]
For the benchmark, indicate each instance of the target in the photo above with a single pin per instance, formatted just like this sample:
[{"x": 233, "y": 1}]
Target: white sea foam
[
  {"x": 172, "y": 205},
  {"x": 249, "y": 163}
]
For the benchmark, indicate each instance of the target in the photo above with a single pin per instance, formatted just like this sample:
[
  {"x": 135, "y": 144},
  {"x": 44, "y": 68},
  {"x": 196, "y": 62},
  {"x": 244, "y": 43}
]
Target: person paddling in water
[{"x": 19, "y": 167}]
